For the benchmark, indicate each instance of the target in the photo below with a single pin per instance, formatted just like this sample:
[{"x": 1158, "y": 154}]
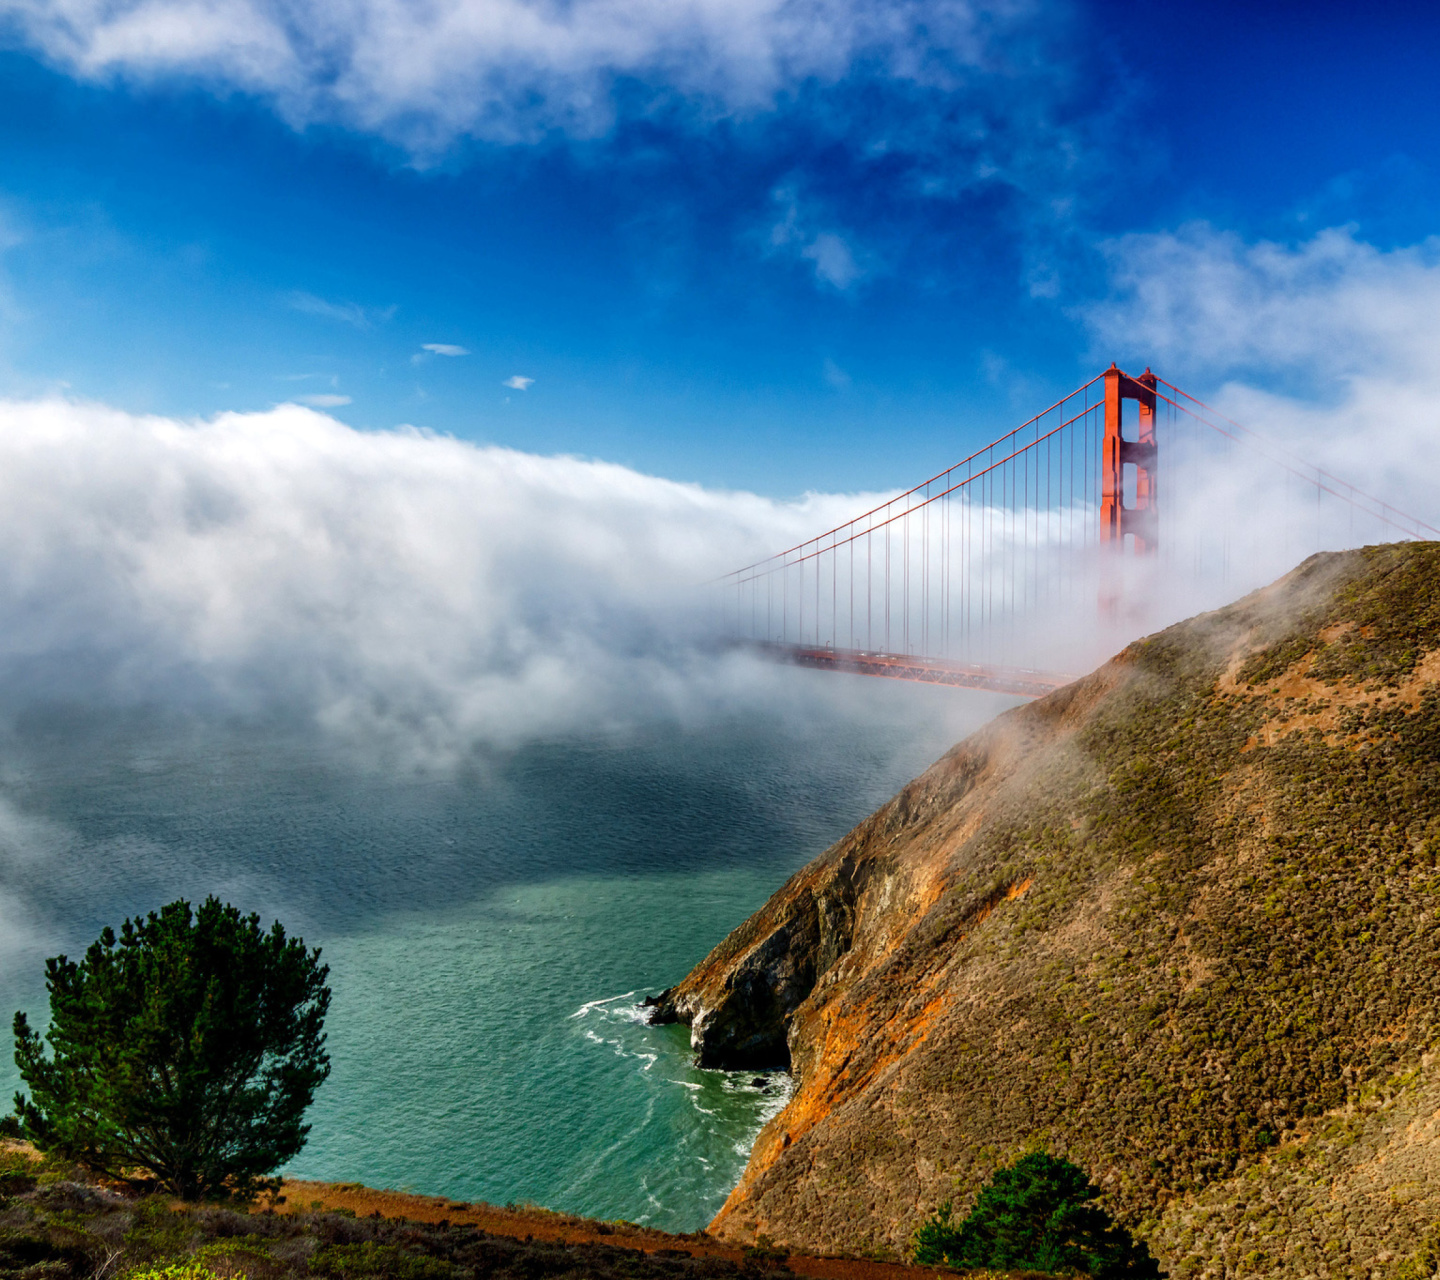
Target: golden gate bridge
[{"x": 1125, "y": 486}]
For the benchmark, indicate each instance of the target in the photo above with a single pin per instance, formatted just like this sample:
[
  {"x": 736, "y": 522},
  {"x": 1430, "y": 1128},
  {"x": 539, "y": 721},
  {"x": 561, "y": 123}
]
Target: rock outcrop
[{"x": 1179, "y": 921}]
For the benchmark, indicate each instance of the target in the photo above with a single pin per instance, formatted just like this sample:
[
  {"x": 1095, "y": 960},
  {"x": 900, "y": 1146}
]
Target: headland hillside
[{"x": 1179, "y": 922}]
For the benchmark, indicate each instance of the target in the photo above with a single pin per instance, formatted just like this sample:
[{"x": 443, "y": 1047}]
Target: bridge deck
[{"x": 900, "y": 666}]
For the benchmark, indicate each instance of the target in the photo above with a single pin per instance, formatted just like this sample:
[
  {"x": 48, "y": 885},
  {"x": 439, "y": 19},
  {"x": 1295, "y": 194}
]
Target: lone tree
[
  {"x": 1040, "y": 1214},
  {"x": 191, "y": 1048}
]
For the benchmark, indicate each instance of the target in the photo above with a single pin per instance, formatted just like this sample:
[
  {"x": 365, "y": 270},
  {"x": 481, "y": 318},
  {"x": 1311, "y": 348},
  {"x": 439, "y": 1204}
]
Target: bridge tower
[{"x": 1142, "y": 520}]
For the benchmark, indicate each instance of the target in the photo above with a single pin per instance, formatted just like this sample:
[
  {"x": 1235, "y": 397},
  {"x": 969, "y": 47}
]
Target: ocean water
[{"x": 490, "y": 929}]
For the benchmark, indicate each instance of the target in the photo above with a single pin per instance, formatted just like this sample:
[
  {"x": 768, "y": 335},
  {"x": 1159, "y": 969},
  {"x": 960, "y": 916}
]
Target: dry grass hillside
[{"x": 1179, "y": 921}]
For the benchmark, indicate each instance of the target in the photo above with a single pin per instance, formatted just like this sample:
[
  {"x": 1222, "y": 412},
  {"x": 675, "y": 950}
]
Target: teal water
[
  {"x": 467, "y": 1060},
  {"x": 490, "y": 930}
]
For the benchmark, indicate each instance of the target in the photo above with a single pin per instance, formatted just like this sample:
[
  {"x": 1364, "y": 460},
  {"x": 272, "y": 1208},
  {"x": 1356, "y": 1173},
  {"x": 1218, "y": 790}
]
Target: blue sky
[{"x": 763, "y": 246}]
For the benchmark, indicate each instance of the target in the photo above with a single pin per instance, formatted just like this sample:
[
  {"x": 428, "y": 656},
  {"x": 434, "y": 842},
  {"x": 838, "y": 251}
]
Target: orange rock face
[{"x": 1177, "y": 921}]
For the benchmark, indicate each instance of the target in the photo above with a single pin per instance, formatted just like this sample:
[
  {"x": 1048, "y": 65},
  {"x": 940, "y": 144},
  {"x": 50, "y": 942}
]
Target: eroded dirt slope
[{"x": 1177, "y": 921}]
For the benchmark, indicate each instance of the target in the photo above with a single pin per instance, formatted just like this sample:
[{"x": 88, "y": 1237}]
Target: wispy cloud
[
  {"x": 324, "y": 401},
  {"x": 834, "y": 261},
  {"x": 1332, "y": 306},
  {"x": 500, "y": 68},
  {"x": 829, "y": 252},
  {"x": 1331, "y": 345},
  {"x": 345, "y": 312},
  {"x": 518, "y": 383},
  {"x": 522, "y": 69},
  {"x": 919, "y": 132},
  {"x": 444, "y": 349}
]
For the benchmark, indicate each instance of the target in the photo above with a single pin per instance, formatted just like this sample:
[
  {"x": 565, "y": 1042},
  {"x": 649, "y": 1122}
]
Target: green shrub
[
  {"x": 1424, "y": 1262},
  {"x": 159, "y": 1232},
  {"x": 191, "y": 1269},
  {"x": 43, "y": 1250},
  {"x": 348, "y": 1261},
  {"x": 935, "y": 1240},
  {"x": 765, "y": 1255},
  {"x": 239, "y": 1259},
  {"x": 1039, "y": 1214}
]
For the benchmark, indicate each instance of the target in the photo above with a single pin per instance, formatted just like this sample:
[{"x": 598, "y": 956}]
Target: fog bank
[{"x": 380, "y": 585}]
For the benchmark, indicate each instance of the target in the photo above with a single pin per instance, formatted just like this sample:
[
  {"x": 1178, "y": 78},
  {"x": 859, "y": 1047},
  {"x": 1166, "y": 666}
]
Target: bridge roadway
[{"x": 900, "y": 666}]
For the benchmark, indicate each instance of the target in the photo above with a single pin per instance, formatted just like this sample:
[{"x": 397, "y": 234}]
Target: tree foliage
[
  {"x": 1039, "y": 1214},
  {"x": 189, "y": 1047}
]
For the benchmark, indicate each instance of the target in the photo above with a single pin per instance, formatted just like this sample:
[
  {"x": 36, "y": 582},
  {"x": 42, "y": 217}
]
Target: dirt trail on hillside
[{"x": 530, "y": 1222}]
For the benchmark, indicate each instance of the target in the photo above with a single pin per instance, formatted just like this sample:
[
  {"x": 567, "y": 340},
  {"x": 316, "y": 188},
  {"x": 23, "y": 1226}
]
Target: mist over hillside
[{"x": 1176, "y": 921}]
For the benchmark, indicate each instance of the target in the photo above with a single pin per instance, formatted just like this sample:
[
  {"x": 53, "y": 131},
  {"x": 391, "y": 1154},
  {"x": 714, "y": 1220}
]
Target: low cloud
[
  {"x": 268, "y": 599},
  {"x": 518, "y": 383},
  {"x": 405, "y": 588},
  {"x": 389, "y": 586},
  {"x": 324, "y": 401},
  {"x": 444, "y": 349}
]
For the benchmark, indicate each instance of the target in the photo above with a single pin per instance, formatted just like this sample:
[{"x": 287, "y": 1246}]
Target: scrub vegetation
[
  {"x": 53, "y": 1227},
  {"x": 58, "y": 1222}
]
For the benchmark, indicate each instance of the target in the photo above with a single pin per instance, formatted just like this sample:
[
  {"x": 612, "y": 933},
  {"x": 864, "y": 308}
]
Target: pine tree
[{"x": 189, "y": 1048}]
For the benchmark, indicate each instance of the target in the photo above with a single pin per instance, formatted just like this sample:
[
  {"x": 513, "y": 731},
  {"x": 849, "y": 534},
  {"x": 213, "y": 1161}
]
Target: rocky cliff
[{"x": 1179, "y": 921}]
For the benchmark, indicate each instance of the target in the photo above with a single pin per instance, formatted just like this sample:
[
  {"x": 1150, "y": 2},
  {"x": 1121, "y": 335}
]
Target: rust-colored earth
[{"x": 531, "y": 1222}]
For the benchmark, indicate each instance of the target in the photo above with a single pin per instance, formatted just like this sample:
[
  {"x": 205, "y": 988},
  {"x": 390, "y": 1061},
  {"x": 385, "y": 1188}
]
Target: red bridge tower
[{"x": 1141, "y": 521}]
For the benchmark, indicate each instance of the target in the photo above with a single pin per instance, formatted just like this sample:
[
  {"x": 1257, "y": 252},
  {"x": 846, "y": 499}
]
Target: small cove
[{"x": 490, "y": 930}]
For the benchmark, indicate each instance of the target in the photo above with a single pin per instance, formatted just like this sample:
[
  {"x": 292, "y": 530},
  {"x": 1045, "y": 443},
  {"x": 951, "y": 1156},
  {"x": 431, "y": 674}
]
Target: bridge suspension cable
[
  {"x": 1325, "y": 481},
  {"x": 979, "y": 575}
]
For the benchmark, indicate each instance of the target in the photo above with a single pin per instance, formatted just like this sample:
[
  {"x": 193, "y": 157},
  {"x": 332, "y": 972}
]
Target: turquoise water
[
  {"x": 501, "y": 1055},
  {"x": 490, "y": 930}
]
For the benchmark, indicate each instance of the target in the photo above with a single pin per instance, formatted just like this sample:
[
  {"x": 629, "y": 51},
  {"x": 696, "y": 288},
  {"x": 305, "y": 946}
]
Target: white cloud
[
  {"x": 517, "y": 382},
  {"x": 444, "y": 349},
  {"x": 1332, "y": 306},
  {"x": 387, "y": 585},
  {"x": 406, "y": 597},
  {"x": 511, "y": 69},
  {"x": 345, "y": 312},
  {"x": 1330, "y": 346},
  {"x": 324, "y": 400}
]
